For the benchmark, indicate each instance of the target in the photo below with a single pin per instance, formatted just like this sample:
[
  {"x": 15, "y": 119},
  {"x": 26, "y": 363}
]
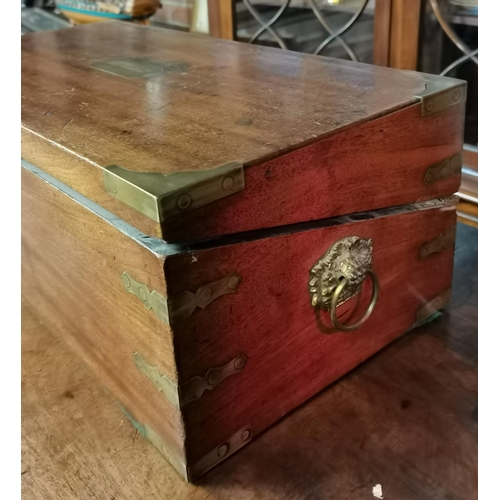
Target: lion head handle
[{"x": 348, "y": 259}]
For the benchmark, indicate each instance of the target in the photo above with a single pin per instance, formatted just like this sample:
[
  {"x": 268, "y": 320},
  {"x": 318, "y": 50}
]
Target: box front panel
[{"x": 289, "y": 348}]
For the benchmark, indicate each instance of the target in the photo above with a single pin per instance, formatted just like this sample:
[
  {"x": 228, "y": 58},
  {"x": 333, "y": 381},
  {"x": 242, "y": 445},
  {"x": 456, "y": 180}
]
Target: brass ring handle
[{"x": 335, "y": 298}]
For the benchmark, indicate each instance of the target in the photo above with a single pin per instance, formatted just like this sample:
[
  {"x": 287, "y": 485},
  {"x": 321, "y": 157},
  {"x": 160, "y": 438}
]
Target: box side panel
[
  {"x": 290, "y": 348},
  {"x": 72, "y": 265},
  {"x": 381, "y": 163}
]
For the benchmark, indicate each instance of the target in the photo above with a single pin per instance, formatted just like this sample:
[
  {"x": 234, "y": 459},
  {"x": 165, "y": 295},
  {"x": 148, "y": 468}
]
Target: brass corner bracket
[
  {"x": 440, "y": 93},
  {"x": 161, "y": 197}
]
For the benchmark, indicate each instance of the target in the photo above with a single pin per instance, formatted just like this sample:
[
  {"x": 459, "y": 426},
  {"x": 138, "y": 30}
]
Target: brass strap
[
  {"x": 183, "y": 305},
  {"x": 444, "y": 241},
  {"x": 150, "y": 299},
  {"x": 160, "y": 381},
  {"x": 194, "y": 388}
]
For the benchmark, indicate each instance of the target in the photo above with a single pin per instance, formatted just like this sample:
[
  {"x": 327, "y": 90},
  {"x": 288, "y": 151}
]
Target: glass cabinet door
[
  {"x": 336, "y": 28},
  {"x": 448, "y": 46}
]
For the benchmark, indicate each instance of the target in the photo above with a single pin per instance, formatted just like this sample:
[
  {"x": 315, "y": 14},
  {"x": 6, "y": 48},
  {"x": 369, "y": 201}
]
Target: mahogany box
[{"x": 221, "y": 230}]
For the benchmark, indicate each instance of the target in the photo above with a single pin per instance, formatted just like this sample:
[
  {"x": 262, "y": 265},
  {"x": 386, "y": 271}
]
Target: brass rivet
[
  {"x": 245, "y": 435},
  {"x": 184, "y": 202},
  {"x": 429, "y": 105},
  {"x": 222, "y": 450},
  {"x": 206, "y": 294},
  {"x": 125, "y": 281},
  {"x": 213, "y": 378},
  {"x": 456, "y": 95},
  {"x": 142, "y": 294},
  {"x": 227, "y": 183},
  {"x": 239, "y": 363},
  {"x": 233, "y": 282},
  {"x": 112, "y": 186}
]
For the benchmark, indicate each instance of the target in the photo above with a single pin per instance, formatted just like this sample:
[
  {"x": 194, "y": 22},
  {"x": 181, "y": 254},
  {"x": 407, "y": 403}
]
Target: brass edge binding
[
  {"x": 150, "y": 299},
  {"x": 440, "y": 93},
  {"x": 219, "y": 453},
  {"x": 161, "y": 197},
  {"x": 160, "y": 381},
  {"x": 443, "y": 170},
  {"x": 444, "y": 241},
  {"x": 431, "y": 307},
  {"x": 193, "y": 389},
  {"x": 183, "y": 305}
]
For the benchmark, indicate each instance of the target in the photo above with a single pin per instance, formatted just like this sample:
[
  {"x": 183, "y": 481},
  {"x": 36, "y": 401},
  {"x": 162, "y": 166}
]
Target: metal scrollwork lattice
[
  {"x": 450, "y": 32},
  {"x": 333, "y": 35}
]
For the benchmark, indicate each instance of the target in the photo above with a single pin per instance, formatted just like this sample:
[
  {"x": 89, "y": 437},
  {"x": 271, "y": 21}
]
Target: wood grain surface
[
  {"x": 72, "y": 262},
  {"x": 405, "y": 26},
  {"x": 405, "y": 419},
  {"x": 218, "y": 101}
]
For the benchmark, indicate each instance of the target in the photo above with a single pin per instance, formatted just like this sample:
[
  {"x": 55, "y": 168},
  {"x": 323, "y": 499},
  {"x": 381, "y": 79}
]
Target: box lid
[{"x": 185, "y": 136}]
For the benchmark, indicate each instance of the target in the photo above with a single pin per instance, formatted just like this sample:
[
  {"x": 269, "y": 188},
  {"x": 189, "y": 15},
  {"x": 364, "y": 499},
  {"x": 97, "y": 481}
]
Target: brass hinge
[
  {"x": 431, "y": 307},
  {"x": 440, "y": 93},
  {"x": 150, "y": 299},
  {"x": 181, "y": 306},
  {"x": 444, "y": 241},
  {"x": 194, "y": 388},
  {"x": 444, "y": 169},
  {"x": 160, "y": 381},
  {"x": 220, "y": 452},
  {"x": 160, "y": 196}
]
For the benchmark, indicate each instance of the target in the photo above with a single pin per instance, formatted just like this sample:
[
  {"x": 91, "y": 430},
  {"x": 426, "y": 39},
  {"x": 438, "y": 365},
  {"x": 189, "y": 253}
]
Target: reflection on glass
[{"x": 334, "y": 28}]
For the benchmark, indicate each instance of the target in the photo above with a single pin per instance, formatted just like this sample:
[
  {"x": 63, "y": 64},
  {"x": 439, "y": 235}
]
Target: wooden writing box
[{"x": 221, "y": 230}]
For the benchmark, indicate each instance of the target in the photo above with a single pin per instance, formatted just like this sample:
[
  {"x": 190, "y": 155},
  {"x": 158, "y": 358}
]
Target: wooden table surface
[{"x": 406, "y": 420}]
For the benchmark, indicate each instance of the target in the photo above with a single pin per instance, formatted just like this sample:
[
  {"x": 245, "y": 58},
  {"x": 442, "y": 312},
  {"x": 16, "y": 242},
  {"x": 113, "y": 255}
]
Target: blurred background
[{"x": 432, "y": 36}]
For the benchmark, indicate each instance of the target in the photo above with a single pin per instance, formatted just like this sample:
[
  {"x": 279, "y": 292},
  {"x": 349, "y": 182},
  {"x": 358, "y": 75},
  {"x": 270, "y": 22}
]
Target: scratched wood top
[
  {"x": 405, "y": 419},
  {"x": 215, "y": 102}
]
